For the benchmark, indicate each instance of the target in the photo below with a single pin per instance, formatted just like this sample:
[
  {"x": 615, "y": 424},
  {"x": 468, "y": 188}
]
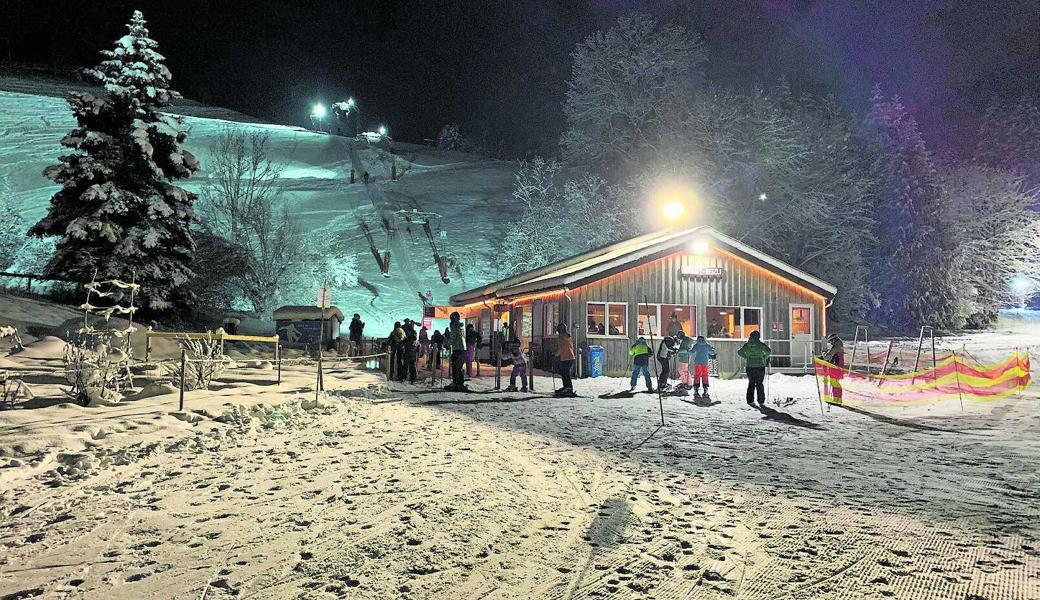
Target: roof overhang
[{"x": 615, "y": 258}]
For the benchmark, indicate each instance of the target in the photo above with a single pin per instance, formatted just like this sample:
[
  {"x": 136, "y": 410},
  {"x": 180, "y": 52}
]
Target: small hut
[{"x": 301, "y": 325}]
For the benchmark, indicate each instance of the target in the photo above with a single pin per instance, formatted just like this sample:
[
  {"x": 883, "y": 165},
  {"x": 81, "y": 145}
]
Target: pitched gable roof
[{"x": 601, "y": 262}]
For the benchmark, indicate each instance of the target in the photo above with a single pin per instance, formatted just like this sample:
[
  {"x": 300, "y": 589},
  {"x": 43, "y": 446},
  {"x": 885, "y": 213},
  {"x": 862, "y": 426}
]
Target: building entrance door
[{"x": 801, "y": 334}]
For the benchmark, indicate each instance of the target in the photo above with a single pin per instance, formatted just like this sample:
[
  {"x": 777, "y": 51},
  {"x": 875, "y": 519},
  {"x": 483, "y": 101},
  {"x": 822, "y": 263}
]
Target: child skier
[
  {"x": 516, "y": 353},
  {"x": 684, "y": 345},
  {"x": 836, "y": 356},
  {"x": 701, "y": 352},
  {"x": 756, "y": 357},
  {"x": 640, "y": 354}
]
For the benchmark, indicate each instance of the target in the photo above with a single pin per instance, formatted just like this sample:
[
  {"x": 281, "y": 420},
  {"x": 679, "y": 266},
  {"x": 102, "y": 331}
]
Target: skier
[
  {"x": 565, "y": 357},
  {"x": 424, "y": 342},
  {"x": 516, "y": 353},
  {"x": 433, "y": 362},
  {"x": 357, "y": 335},
  {"x": 701, "y": 352},
  {"x": 472, "y": 343},
  {"x": 364, "y": 177},
  {"x": 402, "y": 364},
  {"x": 756, "y": 357},
  {"x": 836, "y": 356},
  {"x": 411, "y": 346},
  {"x": 640, "y": 353},
  {"x": 684, "y": 345},
  {"x": 664, "y": 361},
  {"x": 393, "y": 344},
  {"x": 456, "y": 341}
]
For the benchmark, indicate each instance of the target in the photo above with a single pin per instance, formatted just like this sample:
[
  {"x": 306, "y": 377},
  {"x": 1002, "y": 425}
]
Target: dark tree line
[{"x": 858, "y": 200}]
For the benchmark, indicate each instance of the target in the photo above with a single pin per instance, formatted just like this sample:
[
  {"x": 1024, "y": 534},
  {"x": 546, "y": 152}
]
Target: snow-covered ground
[
  {"x": 469, "y": 192},
  {"x": 259, "y": 491}
]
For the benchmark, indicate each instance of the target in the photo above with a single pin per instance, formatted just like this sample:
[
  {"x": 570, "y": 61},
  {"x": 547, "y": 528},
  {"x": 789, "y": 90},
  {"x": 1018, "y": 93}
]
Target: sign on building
[{"x": 701, "y": 272}]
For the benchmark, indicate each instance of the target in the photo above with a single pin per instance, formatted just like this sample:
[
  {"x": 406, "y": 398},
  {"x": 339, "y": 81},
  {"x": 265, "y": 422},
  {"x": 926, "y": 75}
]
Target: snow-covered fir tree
[
  {"x": 916, "y": 265},
  {"x": 118, "y": 211},
  {"x": 1009, "y": 139}
]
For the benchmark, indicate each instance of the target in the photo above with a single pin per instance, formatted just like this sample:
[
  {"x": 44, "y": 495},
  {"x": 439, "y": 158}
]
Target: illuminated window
[
  {"x": 679, "y": 316},
  {"x": 801, "y": 320},
  {"x": 607, "y": 318},
  {"x": 733, "y": 321},
  {"x": 648, "y": 319}
]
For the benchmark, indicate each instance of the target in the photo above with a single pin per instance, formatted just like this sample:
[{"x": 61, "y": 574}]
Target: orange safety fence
[{"x": 953, "y": 378}]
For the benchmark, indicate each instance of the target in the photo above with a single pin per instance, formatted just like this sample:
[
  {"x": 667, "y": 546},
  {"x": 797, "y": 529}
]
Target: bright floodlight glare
[
  {"x": 319, "y": 112},
  {"x": 1021, "y": 284},
  {"x": 673, "y": 209},
  {"x": 763, "y": 197},
  {"x": 382, "y": 130},
  {"x": 699, "y": 246}
]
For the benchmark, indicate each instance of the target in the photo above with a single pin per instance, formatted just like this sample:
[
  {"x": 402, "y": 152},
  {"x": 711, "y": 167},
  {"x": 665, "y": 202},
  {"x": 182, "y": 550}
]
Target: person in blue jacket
[{"x": 701, "y": 352}]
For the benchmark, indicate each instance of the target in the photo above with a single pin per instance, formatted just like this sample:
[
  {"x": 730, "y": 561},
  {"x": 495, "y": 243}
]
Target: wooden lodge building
[{"x": 700, "y": 279}]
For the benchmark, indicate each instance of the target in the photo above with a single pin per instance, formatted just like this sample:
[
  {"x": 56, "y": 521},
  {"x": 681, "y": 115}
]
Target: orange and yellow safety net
[{"x": 952, "y": 378}]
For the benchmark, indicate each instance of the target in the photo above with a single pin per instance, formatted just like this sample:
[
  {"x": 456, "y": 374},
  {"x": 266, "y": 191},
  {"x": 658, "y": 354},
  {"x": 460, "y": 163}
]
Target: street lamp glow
[
  {"x": 319, "y": 111},
  {"x": 673, "y": 209},
  {"x": 763, "y": 197},
  {"x": 382, "y": 130}
]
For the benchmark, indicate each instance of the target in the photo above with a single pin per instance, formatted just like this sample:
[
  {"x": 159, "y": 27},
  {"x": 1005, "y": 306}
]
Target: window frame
[
  {"x": 741, "y": 309},
  {"x": 693, "y": 318},
  {"x": 606, "y": 320}
]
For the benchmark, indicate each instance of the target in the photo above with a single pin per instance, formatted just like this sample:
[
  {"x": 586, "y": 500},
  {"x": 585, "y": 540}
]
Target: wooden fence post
[{"x": 183, "y": 362}]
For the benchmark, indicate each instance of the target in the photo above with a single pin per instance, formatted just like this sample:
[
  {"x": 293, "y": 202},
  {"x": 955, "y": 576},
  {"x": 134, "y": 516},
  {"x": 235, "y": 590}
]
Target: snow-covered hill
[{"x": 471, "y": 193}]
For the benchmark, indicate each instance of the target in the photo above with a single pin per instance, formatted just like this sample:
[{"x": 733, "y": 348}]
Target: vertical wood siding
[{"x": 660, "y": 283}]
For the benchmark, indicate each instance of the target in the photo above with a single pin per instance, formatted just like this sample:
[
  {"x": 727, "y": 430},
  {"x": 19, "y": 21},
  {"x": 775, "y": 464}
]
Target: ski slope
[{"x": 469, "y": 192}]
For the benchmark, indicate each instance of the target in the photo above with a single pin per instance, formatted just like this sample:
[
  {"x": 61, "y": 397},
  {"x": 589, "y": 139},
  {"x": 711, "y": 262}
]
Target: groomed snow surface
[{"x": 258, "y": 490}]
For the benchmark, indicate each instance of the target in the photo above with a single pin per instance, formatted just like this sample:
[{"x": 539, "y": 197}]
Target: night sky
[{"x": 499, "y": 67}]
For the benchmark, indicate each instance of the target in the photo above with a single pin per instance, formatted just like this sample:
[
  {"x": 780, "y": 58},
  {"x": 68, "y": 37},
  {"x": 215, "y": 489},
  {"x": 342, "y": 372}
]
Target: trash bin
[{"x": 595, "y": 354}]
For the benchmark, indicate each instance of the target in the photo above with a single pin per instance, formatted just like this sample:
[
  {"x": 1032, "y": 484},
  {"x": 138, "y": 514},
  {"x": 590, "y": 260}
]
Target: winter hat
[
  {"x": 641, "y": 340},
  {"x": 357, "y": 316},
  {"x": 454, "y": 316},
  {"x": 700, "y": 338},
  {"x": 669, "y": 342},
  {"x": 833, "y": 338},
  {"x": 755, "y": 336},
  {"x": 562, "y": 328}
]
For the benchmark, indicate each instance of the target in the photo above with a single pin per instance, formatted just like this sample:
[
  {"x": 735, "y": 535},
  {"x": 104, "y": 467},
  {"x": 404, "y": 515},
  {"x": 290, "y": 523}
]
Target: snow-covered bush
[
  {"x": 205, "y": 362},
  {"x": 118, "y": 213}
]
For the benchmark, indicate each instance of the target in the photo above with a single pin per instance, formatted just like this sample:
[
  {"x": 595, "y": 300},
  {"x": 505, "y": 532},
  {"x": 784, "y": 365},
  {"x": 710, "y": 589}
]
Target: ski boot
[{"x": 511, "y": 388}]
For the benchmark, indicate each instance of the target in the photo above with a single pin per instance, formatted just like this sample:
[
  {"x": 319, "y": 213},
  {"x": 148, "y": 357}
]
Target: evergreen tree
[
  {"x": 1009, "y": 139},
  {"x": 916, "y": 264},
  {"x": 118, "y": 211}
]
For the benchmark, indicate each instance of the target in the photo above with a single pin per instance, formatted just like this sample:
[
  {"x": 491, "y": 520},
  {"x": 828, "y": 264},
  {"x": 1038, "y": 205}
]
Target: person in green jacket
[
  {"x": 756, "y": 357},
  {"x": 640, "y": 353}
]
